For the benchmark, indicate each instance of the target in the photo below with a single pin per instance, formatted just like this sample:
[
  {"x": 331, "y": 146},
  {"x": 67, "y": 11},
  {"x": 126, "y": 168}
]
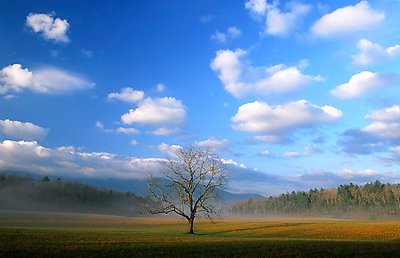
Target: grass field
[{"x": 79, "y": 235}]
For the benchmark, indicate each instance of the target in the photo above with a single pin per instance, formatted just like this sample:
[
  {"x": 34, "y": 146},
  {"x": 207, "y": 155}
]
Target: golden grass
[{"x": 57, "y": 234}]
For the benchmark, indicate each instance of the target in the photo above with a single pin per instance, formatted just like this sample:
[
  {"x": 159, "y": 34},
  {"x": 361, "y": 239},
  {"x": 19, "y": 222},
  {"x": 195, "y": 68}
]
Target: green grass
[{"x": 69, "y": 235}]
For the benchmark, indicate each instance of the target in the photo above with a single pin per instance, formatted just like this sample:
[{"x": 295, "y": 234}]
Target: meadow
[{"x": 35, "y": 234}]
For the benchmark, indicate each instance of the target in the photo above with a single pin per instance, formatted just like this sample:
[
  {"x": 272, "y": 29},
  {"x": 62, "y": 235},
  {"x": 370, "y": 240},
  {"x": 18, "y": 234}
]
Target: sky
[{"x": 291, "y": 95}]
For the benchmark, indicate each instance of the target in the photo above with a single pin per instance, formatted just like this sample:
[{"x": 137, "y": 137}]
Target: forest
[
  {"x": 374, "y": 199},
  {"x": 45, "y": 194}
]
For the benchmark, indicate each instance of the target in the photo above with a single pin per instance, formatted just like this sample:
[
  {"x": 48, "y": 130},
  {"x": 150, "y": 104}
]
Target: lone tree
[{"x": 193, "y": 178}]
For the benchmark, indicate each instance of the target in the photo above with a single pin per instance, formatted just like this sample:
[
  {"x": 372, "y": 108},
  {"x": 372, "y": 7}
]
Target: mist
[{"x": 26, "y": 194}]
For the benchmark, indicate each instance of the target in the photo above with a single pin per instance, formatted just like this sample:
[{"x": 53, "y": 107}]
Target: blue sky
[{"x": 290, "y": 94}]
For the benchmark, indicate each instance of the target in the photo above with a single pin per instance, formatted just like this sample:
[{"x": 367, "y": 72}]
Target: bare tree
[{"x": 193, "y": 178}]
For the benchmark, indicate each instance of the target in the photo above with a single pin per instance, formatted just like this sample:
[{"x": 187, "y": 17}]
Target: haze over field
[{"x": 291, "y": 95}]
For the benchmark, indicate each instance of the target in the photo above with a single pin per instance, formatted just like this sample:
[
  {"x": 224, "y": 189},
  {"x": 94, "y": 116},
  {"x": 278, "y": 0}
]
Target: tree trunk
[{"x": 191, "y": 224}]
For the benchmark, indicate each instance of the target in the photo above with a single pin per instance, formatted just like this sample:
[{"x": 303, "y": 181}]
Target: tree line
[
  {"x": 25, "y": 193},
  {"x": 373, "y": 199}
]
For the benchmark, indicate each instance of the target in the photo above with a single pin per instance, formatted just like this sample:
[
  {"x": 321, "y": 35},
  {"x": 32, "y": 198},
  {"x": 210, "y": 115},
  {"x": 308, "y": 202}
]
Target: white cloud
[
  {"x": 99, "y": 125},
  {"x": 167, "y": 114},
  {"x": 48, "y": 80},
  {"x": 234, "y": 32},
  {"x": 347, "y": 20},
  {"x": 169, "y": 150},
  {"x": 163, "y": 131},
  {"x": 350, "y": 174},
  {"x": 388, "y": 115},
  {"x": 385, "y": 123},
  {"x": 240, "y": 79},
  {"x": 292, "y": 154},
  {"x": 262, "y": 118},
  {"x": 54, "y": 53},
  {"x": 308, "y": 150},
  {"x": 395, "y": 149},
  {"x": 49, "y": 27},
  {"x": 87, "y": 53},
  {"x": 265, "y": 153},
  {"x": 219, "y": 37},
  {"x": 22, "y": 130},
  {"x": 127, "y": 94},
  {"x": 267, "y": 139},
  {"x": 223, "y": 37},
  {"x": 167, "y": 110},
  {"x": 119, "y": 130},
  {"x": 29, "y": 156},
  {"x": 160, "y": 87},
  {"x": 278, "y": 22},
  {"x": 206, "y": 18},
  {"x": 360, "y": 83},
  {"x": 258, "y": 7},
  {"x": 129, "y": 131},
  {"x": 214, "y": 144},
  {"x": 233, "y": 163},
  {"x": 372, "y": 53}
]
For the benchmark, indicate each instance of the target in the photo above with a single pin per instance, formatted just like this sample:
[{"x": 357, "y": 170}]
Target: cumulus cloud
[
  {"x": 278, "y": 22},
  {"x": 169, "y": 150},
  {"x": 164, "y": 115},
  {"x": 48, "y": 26},
  {"x": 167, "y": 114},
  {"x": 49, "y": 80},
  {"x": 347, "y": 20},
  {"x": 29, "y": 156},
  {"x": 231, "y": 162},
  {"x": 372, "y": 53},
  {"x": 214, "y": 144},
  {"x": 267, "y": 120},
  {"x": 258, "y": 7},
  {"x": 240, "y": 79},
  {"x": 382, "y": 134},
  {"x": 127, "y": 95},
  {"x": 385, "y": 123},
  {"x": 22, "y": 130},
  {"x": 360, "y": 83},
  {"x": 223, "y": 37}
]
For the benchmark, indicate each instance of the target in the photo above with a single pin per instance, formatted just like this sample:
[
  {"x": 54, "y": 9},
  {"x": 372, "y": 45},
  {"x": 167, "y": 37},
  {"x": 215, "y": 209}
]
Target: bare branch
[{"x": 191, "y": 182}]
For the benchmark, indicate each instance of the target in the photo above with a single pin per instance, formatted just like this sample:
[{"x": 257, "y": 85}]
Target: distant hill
[{"x": 229, "y": 197}]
